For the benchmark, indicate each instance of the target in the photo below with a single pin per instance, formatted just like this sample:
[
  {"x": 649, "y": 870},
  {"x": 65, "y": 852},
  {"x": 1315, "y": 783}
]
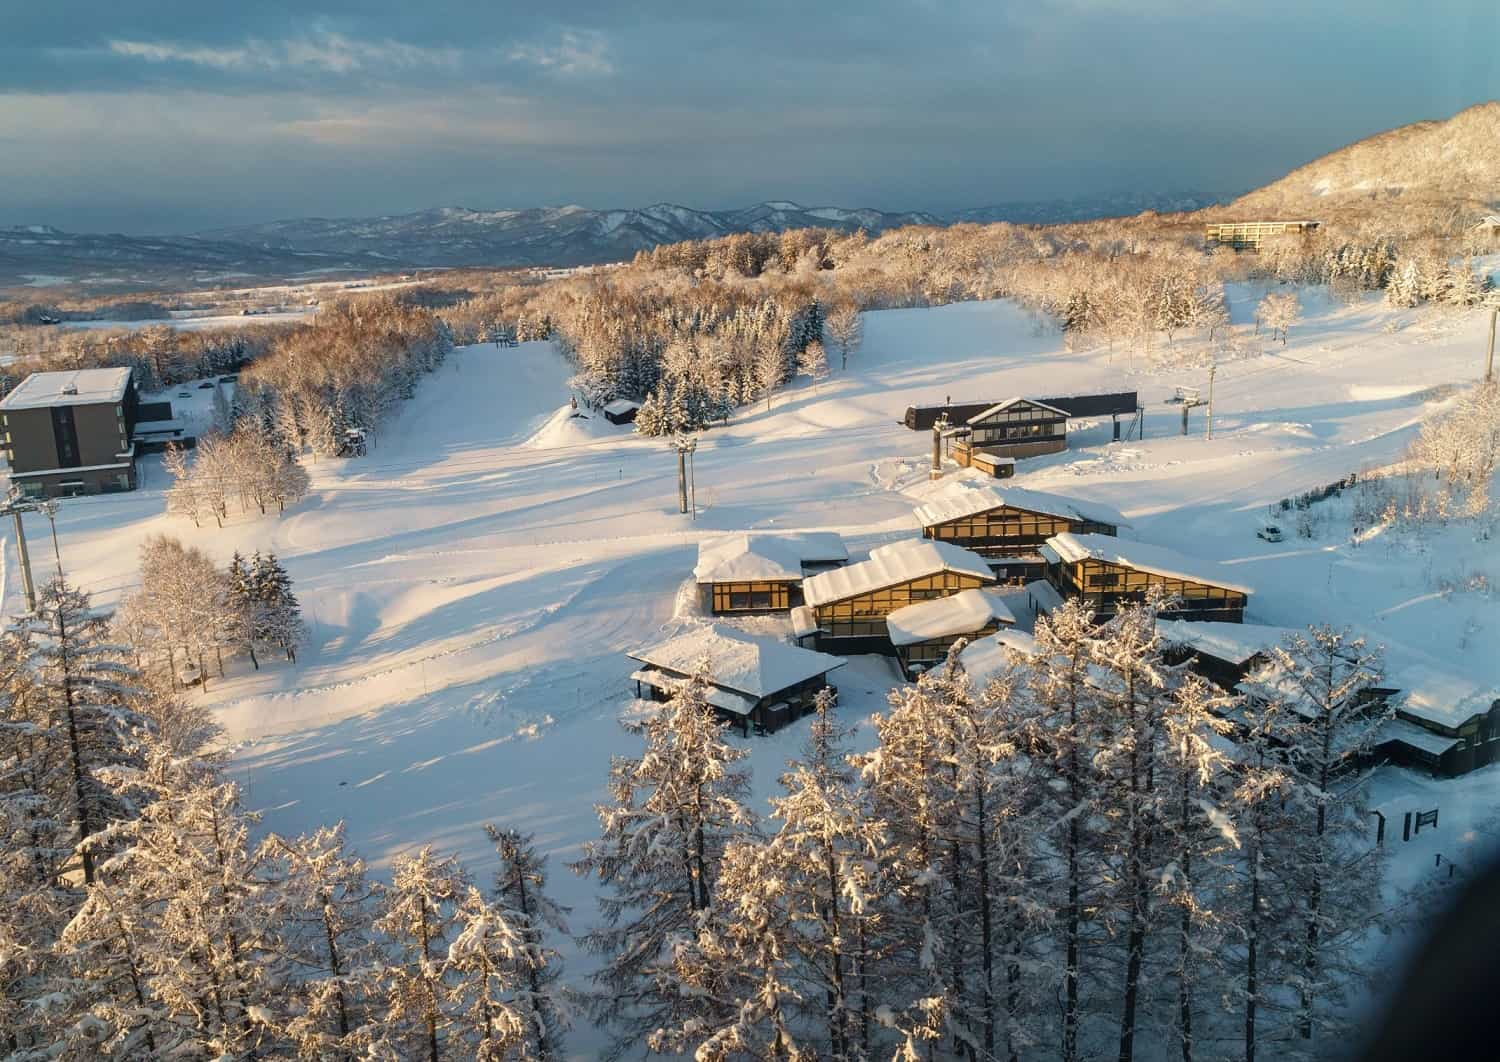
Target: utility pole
[
  {"x": 686, "y": 447},
  {"x": 1489, "y": 360},
  {"x": 15, "y": 505},
  {"x": 1208, "y": 416},
  {"x": 48, "y": 507}
]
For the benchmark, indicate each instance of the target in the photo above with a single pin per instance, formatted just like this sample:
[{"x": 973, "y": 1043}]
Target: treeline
[
  {"x": 1069, "y": 860},
  {"x": 161, "y": 356},
  {"x": 338, "y": 377},
  {"x": 188, "y": 605},
  {"x": 248, "y": 462},
  {"x": 140, "y": 919}
]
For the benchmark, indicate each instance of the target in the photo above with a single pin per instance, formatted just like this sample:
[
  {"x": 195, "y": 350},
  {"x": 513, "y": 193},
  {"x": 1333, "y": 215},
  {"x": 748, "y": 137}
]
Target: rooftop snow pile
[
  {"x": 963, "y": 613},
  {"x": 899, "y": 562},
  {"x": 757, "y": 667},
  {"x": 988, "y": 657},
  {"x": 961, "y": 500},
  {"x": 766, "y": 558},
  {"x": 74, "y": 387},
  {"x": 1234, "y": 643},
  {"x": 620, "y": 406},
  {"x": 1070, "y": 548}
]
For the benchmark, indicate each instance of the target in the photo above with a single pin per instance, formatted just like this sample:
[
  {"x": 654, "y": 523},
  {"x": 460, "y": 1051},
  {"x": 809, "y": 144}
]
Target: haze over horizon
[{"x": 169, "y": 116}]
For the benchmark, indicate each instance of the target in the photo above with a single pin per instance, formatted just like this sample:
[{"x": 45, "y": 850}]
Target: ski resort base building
[
  {"x": 846, "y": 608},
  {"x": 750, "y": 573},
  {"x": 923, "y": 633},
  {"x": 756, "y": 684},
  {"x": 1008, "y": 525},
  {"x": 68, "y": 433},
  {"x": 1106, "y": 573}
]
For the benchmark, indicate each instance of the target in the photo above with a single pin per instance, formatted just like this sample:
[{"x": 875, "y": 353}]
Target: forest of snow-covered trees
[{"x": 1087, "y": 852}]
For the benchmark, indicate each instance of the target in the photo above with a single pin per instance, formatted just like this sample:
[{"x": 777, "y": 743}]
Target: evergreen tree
[
  {"x": 327, "y": 917},
  {"x": 492, "y": 1014},
  {"x": 419, "y": 920},
  {"x": 520, "y": 897},
  {"x": 674, "y": 811}
]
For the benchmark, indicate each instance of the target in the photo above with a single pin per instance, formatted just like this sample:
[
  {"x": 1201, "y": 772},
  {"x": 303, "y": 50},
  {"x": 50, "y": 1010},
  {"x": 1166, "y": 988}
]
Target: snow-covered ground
[{"x": 471, "y": 586}]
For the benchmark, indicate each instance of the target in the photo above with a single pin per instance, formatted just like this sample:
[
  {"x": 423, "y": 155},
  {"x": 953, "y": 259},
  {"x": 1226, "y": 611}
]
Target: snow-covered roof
[
  {"x": 757, "y": 667},
  {"x": 804, "y": 621},
  {"x": 74, "y": 387},
  {"x": 961, "y": 500},
  {"x": 1404, "y": 733},
  {"x": 999, "y": 407},
  {"x": 986, "y": 658},
  {"x": 1159, "y": 560},
  {"x": 621, "y": 405},
  {"x": 719, "y": 698},
  {"x": 962, "y": 613},
  {"x": 1234, "y": 643},
  {"x": 749, "y": 557},
  {"x": 898, "y": 562},
  {"x": 1438, "y": 696}
]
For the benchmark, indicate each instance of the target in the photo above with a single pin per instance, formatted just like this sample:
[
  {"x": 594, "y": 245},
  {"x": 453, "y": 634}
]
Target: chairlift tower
[{"x": 687, "y": 480}]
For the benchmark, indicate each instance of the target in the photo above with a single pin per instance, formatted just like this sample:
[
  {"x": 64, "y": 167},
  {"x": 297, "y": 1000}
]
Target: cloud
[
  {"x": 575, "y": 54},
  {"x": 330, "y": 53}
]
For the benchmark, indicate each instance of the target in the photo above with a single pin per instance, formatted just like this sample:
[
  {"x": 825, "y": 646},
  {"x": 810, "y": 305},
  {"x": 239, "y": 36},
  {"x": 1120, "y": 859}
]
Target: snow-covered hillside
[{"x": 471, "y": 586}]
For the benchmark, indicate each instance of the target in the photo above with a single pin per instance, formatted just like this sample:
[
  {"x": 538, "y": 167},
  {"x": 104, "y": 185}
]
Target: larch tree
[
  {"x": 328, "y": 908},
  {"x": 490, "y": 1010},
  {"x": 520, "y": 896},
  {"x": 1331, "y": 715},
  {"x": 845, "y": 327},
  {"x": 673, "y": 811},
  {"x": 419, "y": 920}
]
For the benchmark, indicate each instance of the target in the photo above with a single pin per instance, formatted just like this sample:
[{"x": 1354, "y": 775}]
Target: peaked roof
[
  {"x": 728, "y": 657},
  {"x": 998, "y": 406},
  {"x": 898, "y": 562},
  {"x": 1158, "y": 560},
  {"x": 961, "y": 500},
  {"x": 986, "y": 658},
  {"x": 74, "y": 387},
  {"x": 963, "y": 613},
  {"x": 751, "y": 557}
]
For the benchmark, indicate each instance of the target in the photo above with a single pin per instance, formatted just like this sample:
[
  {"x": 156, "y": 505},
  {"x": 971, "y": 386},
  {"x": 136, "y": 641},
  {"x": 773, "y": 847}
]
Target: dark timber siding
[
  {"x": 1104, "y": 587},
  {"x": 1116, "y": 403}
]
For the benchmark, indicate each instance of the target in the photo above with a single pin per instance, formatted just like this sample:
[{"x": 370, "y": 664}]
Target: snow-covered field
[{"x": 471, "y": 585}]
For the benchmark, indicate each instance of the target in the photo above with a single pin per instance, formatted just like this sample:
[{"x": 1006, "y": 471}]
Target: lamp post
[
  {"x": 48, "y": 508},
  {"x": 686, "y": 446},
  {"x": 15, "y": 505}
]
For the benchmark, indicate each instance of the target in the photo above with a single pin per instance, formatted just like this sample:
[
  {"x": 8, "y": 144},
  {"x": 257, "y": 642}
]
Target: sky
[{"x": 170, "y": 116}]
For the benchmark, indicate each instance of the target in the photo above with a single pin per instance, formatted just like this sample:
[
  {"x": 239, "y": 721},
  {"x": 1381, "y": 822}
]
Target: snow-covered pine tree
[
  {"x": 87, "y": 691},
  {"x": 673, "y": 812},
  {"x": 419, "y": 921},
  {"x": 1132, "y": 678},
  {"x": 812, "y": 889},
  {"x": 1323, "y": 679},
  {"x": 1198, "y": 841},
  {"x": 1058, "y": 680},
  {"x": 649, "y": 419},
  {"x": 520, "y": 896},
  {"x": 280, "y": 611},
  {"x": 328, "y": 908},
  {"x": 491, "y": 1014},
  {"x": 209, "y": 912}
]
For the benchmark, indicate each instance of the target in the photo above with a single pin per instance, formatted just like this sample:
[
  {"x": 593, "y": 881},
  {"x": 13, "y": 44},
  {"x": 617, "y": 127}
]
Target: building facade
[
  {"x": 1249, "y": 235},
  {"x": 1017, "y": 427},
  {"x": 1007, "y": 526},
  {"x": 68, "y": 433},
  {"x": 850, "y": 605},
  {"x": 1106, "y": 574},
  {"x": 750, "y": 573}
]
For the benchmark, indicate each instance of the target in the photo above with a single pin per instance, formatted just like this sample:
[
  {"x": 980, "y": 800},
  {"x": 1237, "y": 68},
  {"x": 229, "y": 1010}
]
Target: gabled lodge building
[
  {"x": 756, "y": 684},
  {"x": 749, "y": 573},
  {"x": 846, "y": 608},
  {"x": 1008, "y": 525},
  {"x": 1105, "y": 572},
  {"x": 1016, "y": 427},
  {"x": 923, "y": 633}
]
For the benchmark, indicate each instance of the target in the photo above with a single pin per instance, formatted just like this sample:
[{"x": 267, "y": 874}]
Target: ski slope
[{"x": 471, "y": 586}]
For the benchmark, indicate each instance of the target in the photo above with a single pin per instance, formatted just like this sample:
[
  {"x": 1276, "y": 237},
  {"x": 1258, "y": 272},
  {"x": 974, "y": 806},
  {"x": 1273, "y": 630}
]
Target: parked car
[
  {"x": 184, "y": 394},
  {"x": 189, "y": 675},
  {"x": 1269, "y": 532},
  {"x": 205, "y": 385}
]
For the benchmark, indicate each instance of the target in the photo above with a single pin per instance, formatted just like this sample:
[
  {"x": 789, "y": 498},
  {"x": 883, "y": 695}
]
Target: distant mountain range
[
  {"x": 457, "y": 236},
  {"x": 1454, "y": 163}
]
